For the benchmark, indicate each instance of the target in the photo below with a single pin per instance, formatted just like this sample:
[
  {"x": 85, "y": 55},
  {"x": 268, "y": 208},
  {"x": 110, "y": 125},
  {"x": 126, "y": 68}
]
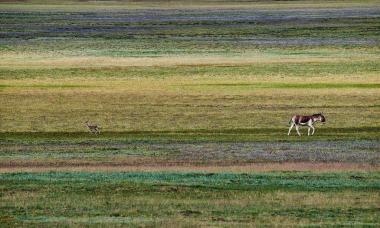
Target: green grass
[
  {"x": 77, "y": 199},
  {"x": 173, "y": 33},
  {"x": 259, "y": 70},
  {"x": 218, "y": 181},
  {"x": 188, "y": 84},
  {"x": 166, "y": 107},
  {"x": 216, "y": 135}
]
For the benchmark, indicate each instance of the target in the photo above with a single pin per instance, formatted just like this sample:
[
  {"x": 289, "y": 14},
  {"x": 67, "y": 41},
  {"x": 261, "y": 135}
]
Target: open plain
[{"x": 193, "y": 100}]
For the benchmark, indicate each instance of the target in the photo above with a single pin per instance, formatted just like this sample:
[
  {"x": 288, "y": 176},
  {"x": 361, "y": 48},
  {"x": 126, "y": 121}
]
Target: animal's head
[{"x": 320, "y": 117}]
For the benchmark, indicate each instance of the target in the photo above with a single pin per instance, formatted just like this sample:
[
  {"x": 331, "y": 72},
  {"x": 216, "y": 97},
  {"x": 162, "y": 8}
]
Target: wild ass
[
  {"x": 94, "y": 128},
  {"x": 308, "y": 121}
]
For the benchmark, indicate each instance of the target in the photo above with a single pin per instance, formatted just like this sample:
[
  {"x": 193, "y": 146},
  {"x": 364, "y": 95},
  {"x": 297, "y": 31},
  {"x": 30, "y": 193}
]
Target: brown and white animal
[
  {"x": 308, "y": 121},
  {"x": 94, "y": 128}
]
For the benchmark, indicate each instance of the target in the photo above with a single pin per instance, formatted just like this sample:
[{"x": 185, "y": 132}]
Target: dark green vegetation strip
[
  {"x": 223, "y": 181},
  {"x": 233, "y": 135},
  {"x": 163, "y": 199}
]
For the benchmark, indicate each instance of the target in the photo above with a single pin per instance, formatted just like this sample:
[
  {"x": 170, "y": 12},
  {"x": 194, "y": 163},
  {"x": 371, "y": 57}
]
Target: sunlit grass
[
  {"x": 156, "y": 105},
  {"x": 194, "y": 100}
]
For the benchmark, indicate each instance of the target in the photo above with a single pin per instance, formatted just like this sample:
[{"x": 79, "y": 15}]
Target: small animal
[
  {"x": 298, "y": 120},
  {"x": 94, "y": 128}
]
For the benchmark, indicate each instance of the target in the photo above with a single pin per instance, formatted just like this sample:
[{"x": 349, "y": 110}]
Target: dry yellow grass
[
  {"x": 170, "y": 104},
  {"x": 167, "y": 166},
  {"x": 33, "y": 60}
]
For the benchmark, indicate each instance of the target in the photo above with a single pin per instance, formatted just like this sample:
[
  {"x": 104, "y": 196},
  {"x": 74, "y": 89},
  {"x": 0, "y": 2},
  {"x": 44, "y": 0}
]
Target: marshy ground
[{"x": 194, "y": 101}]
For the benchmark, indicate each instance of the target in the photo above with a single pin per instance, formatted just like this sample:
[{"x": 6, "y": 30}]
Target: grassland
[
  {"x": 194, "y": 100},
  {"x": 192, "y": 199}
]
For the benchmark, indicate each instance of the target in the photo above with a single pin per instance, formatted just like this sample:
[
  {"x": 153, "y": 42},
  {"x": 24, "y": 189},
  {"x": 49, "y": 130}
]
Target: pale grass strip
[
  {"x": 81, "y": 62},
  {"x": 245, "y": 168}
]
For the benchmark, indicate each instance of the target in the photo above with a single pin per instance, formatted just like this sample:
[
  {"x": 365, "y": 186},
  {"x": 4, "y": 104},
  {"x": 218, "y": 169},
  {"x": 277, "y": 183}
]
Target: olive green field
[{"x": 194, "y": 100}]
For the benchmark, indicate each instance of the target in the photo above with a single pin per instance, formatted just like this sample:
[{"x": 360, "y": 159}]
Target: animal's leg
[
  {"x": 298, "y": 132},
  {"x": 290, "y": 128},
  {"x": 313, "y": 129},
  {"x": 308, "y": 131}
]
